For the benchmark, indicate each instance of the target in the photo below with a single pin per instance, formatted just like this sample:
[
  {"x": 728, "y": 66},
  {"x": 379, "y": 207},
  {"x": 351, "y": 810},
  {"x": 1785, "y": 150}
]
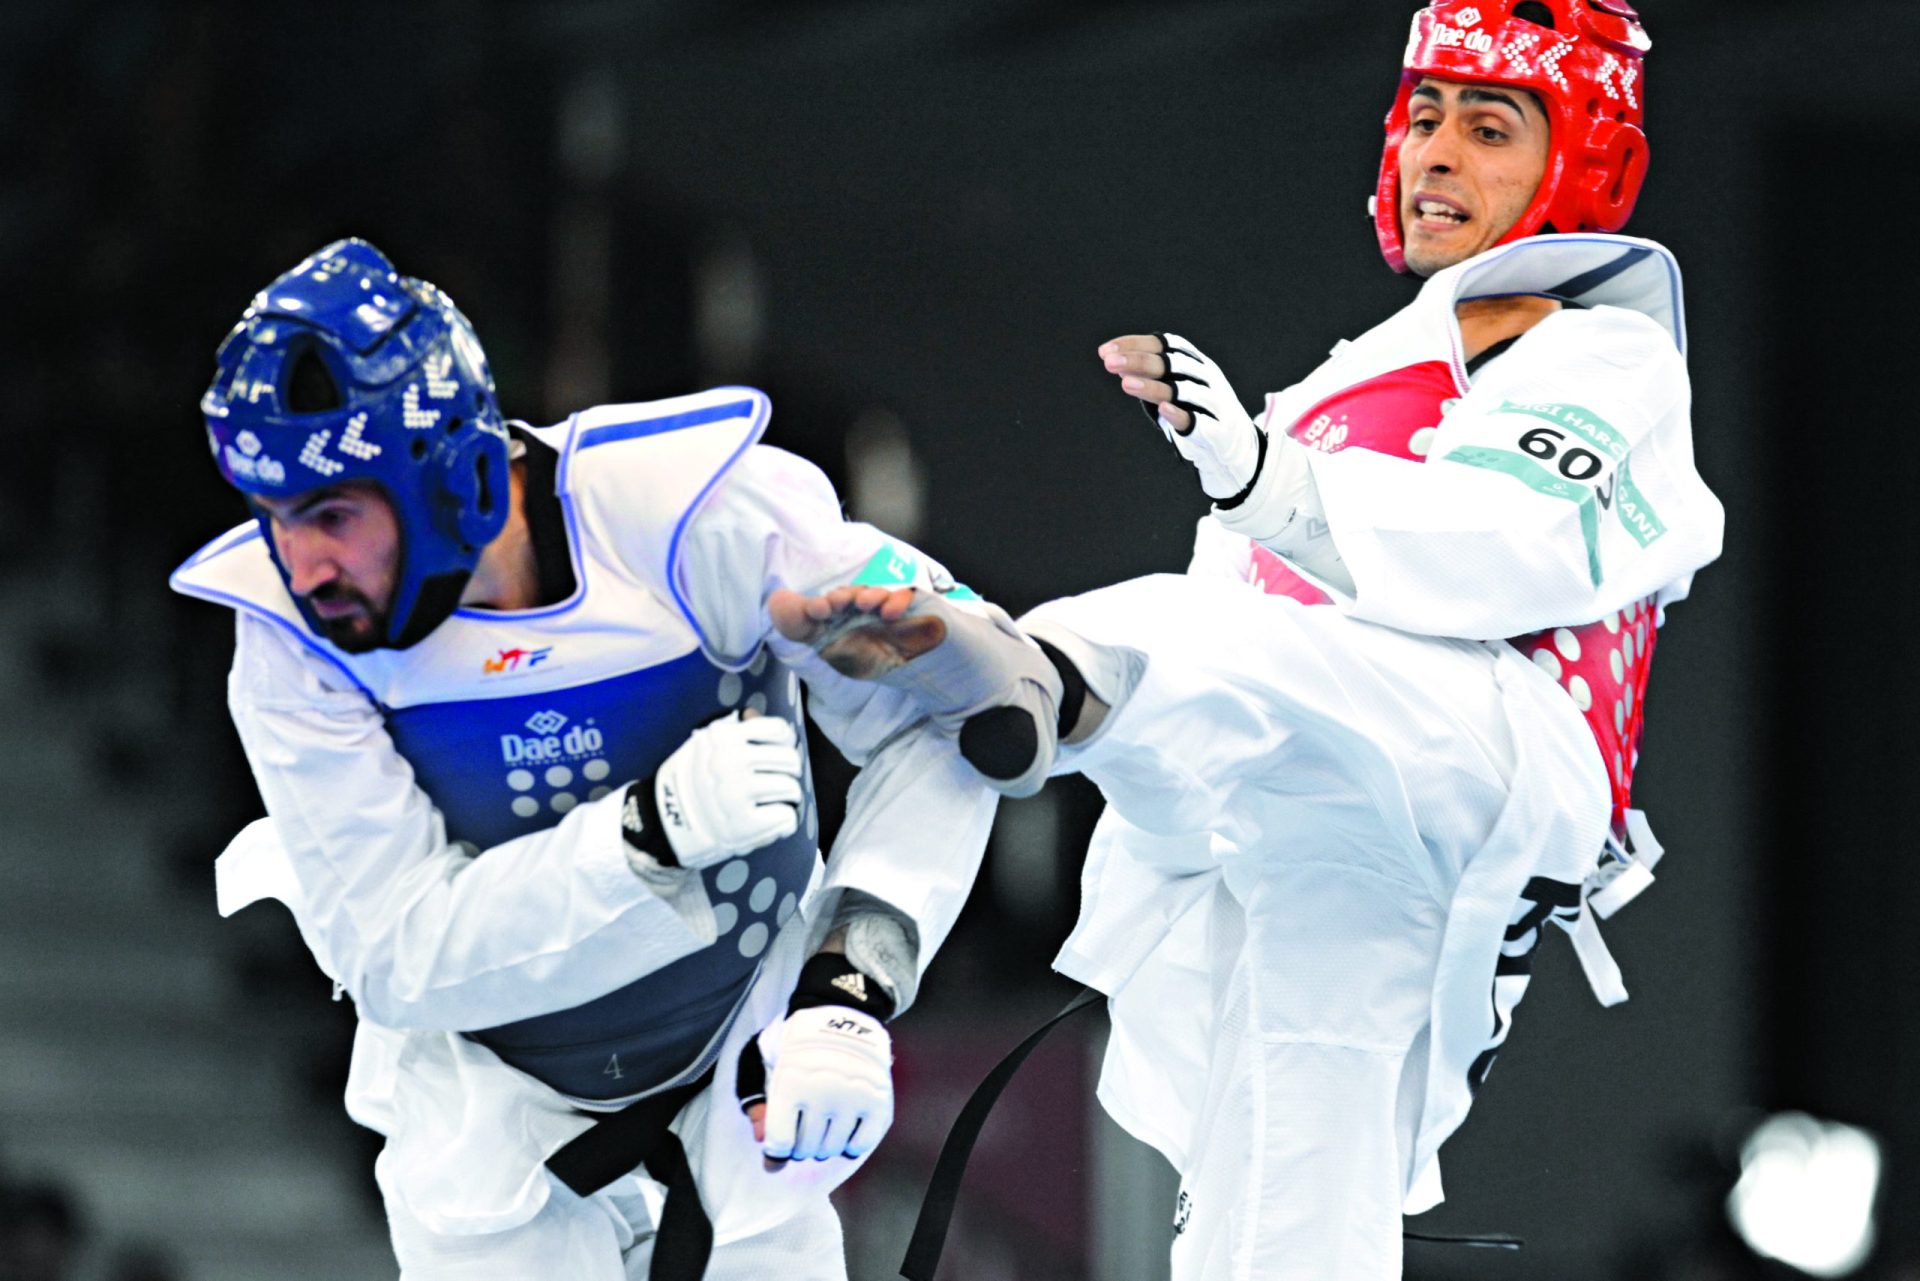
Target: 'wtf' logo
[{"x": 517, "y": 659}]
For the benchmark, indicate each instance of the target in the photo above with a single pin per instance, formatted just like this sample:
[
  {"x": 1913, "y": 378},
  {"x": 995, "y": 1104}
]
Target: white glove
[
  {"x": 1221, "y": 442},
  {"x": 829, "y": 1084},
  {"x": 733, "y": 786}
]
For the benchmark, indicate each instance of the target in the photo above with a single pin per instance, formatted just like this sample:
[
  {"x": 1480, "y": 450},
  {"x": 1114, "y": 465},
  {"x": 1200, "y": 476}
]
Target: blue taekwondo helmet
[{"x": 343, "y": 369}]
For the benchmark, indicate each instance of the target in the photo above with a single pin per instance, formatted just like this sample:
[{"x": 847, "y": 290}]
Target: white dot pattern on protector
[
  {"x": 753, "y": 939},
  {"x": 762, "y": 897},
  {"x": 725, "y": 917},
  {"x": 732, "y": 876},
  {"x": 1582, "y": 695},
  {"x": 1602, "y": 665}
]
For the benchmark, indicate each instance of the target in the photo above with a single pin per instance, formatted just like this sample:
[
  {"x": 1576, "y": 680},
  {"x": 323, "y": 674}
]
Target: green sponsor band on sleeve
[
  {"x": 1521, "y": 468},
  {"x": 1540, "y": 480},
  {"x": 960, "y": 591},
  {"x": 1635, "y": 512},
  {"x": 1579, "y": 421},
  {"x": 890, "y": 567},
  {"x": 1590, "y": 530}
]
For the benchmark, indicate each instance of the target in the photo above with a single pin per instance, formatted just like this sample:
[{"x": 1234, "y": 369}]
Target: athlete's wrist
[
  {"x": 1280, "y": 495},
  {"x": 1232, "y": 501},
  {"x": 829, "y": 978},
  {"x": 641, "y": 828}
]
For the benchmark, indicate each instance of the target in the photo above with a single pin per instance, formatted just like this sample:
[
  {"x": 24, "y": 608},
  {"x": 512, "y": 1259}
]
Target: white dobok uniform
[
  {"x": 379, "y": 769},
  {"x": 1337, "y": 829}
]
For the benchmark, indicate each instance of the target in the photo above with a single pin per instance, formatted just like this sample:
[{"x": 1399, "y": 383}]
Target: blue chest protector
[{"x": 501, "y": 768}]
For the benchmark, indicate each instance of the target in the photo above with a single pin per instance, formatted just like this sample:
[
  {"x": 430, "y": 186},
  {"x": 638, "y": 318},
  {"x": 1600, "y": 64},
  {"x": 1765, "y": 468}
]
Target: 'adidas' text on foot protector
[{"x": 992, "y": 686}]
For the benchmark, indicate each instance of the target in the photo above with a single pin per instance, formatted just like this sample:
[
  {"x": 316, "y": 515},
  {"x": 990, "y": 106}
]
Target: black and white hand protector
[
  {"x": 1261, "y": 488},
  {"x": 1222, "y": 443},
  {"x": 733, "y": 786},
  {"x": 825, "y": 1071}
]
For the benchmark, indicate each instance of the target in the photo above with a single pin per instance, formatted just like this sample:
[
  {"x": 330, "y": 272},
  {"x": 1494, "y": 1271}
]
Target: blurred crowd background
[{"x": 912, "y": 223}]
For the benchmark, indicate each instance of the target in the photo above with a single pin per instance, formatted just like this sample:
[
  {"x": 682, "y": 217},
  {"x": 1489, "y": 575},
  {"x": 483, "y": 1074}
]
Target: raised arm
[{"x": 1559, "y": 487}]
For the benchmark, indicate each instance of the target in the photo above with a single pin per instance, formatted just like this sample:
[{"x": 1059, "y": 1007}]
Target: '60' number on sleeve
[{"x": 1575, "y": 464}]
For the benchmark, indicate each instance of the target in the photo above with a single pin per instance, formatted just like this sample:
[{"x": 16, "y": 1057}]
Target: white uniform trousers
[
  {"x": 609, "y": 1237},
  {"x": 1335, "y": 780},
  {"x": 487, "y": 1125}
]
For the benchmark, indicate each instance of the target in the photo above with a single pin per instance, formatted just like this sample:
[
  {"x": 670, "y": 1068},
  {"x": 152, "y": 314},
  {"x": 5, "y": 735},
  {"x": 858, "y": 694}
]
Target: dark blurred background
[{"x": 912, "y": 223}]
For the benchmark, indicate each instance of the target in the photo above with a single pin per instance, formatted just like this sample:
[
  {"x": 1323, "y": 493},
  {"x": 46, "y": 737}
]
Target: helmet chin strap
[{"x": 433, "y": 604}]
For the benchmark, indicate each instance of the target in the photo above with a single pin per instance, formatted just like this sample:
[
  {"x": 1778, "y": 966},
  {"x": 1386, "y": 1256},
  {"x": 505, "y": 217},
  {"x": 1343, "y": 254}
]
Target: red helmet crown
[{"x": 1583, "y": 58}]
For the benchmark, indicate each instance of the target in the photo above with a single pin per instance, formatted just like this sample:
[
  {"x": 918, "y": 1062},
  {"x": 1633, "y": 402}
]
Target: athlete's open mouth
[{"x": 1439, "y": 210}]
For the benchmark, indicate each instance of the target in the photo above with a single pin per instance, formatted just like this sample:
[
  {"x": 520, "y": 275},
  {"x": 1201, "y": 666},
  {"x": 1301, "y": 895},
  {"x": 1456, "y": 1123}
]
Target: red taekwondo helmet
[{"x": 1584, "y": 58}]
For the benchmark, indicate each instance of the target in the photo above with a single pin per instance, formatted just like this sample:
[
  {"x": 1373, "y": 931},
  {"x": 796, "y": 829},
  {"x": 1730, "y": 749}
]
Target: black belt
[
  {"x": 943, "y": 1189},
  {"x": 936, "y": 1209},
  {"x": 637, "y": 1135}
]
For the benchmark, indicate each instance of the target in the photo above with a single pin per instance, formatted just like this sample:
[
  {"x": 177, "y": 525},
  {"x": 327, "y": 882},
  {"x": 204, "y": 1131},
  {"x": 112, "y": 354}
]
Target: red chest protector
[{"x": 1602, "y": 665}]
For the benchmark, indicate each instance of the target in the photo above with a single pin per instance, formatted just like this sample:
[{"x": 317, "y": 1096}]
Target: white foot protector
[{"x": 986, "y": 683}]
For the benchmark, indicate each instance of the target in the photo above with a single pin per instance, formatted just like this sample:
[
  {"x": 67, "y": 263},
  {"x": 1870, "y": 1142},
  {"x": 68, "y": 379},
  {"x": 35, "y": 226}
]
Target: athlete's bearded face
[
  {"x": 340, "y": 546},
  {"x": 1473, "y": 158}
]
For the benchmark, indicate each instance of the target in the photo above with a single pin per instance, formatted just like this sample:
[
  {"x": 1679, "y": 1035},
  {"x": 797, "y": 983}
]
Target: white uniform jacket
[
  {"x": 1552, "y": 488},
  {"x": 680, "y": 527},
  {"x": 1554, "y": 492}
]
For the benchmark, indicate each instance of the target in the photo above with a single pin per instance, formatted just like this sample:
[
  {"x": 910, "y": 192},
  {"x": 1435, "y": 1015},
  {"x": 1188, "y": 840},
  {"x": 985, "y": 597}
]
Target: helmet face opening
[
  {"x": 1583, "y": 60},
  {"x": 341, "y": 370}
]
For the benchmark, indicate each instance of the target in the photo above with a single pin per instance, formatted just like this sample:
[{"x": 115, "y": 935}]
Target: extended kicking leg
[{"x": 1010, "y": 697}]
